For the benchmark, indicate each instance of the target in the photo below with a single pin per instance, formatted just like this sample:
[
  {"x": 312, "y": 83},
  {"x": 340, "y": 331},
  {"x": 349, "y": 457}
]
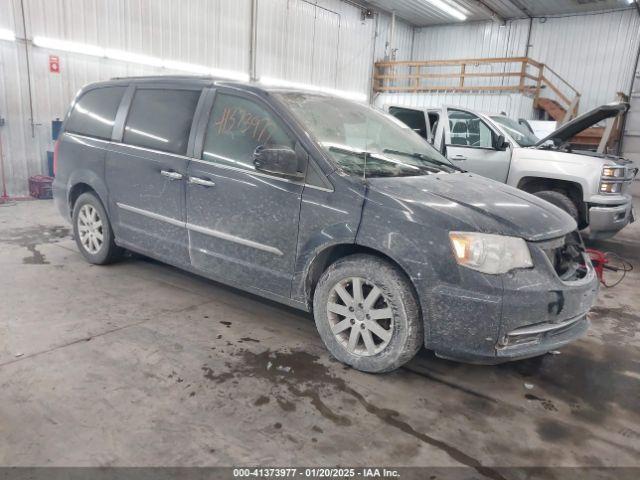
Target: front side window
[
  {"x": 364, "y": 141},
  {"x": 161, "y": 119},
  {"x": 94, "y": 114},
  {"x": 519, "y": 133},
  {"x": 237, "y": 126},
  {"x": 468, "y": 130}
]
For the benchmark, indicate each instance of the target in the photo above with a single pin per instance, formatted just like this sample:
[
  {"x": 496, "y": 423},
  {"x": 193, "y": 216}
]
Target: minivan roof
[
  {"x": 197, "y": 80},
  {"x": 204, "y": 80}
]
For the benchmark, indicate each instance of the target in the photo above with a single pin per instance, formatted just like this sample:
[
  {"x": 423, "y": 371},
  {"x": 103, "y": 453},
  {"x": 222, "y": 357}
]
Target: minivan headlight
[{"x": 489, "y": 253}]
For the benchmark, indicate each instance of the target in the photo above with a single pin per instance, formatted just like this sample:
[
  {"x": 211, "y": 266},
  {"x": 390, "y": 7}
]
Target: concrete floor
[{"x": 140, "y": 364}]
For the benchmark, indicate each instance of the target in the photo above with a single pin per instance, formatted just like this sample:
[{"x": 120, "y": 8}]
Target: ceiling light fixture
[
  {"x": 139, "y": 59},
  {"x": 448, "y": 9},
  {"x": 6, "y": 34},
  {"x": 67, "y": 46},
  {"x": 131, "y": 57}
]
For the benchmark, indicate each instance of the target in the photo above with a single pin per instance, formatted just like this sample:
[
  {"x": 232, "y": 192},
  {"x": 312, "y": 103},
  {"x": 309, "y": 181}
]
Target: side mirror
[
  {"x": 501, "y": 143},
  {"x": 277, "y": 160}
]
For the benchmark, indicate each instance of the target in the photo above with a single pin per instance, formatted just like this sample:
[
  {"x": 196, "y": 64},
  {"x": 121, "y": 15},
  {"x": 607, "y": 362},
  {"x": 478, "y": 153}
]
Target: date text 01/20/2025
[{"x": 315, "y": 472}]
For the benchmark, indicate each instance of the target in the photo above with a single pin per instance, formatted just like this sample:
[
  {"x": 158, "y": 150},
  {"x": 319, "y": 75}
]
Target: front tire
[
  {"x": 92, "y": 231},
  {"x": 367, "y": 314}
]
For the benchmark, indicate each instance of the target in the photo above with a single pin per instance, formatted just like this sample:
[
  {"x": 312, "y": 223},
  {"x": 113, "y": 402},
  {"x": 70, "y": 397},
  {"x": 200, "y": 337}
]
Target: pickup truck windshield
[
  {"x": 519, "y": 133},
  {"x": 362, "y": 141}
]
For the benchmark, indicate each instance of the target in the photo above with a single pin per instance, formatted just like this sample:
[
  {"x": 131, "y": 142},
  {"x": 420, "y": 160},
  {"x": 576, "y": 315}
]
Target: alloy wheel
[
  {"x": 90, "y": 229},
  {"x": 360, "y": 316}
]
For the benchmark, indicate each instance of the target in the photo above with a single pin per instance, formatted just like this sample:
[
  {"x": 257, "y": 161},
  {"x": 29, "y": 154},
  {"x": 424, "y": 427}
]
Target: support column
[{"x": 253, "y": 74}]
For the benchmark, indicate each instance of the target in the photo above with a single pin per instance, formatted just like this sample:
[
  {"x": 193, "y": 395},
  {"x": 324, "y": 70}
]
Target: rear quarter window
[
  {"x": 94, "y": 114},
  {"x": 161, "y": 119}
]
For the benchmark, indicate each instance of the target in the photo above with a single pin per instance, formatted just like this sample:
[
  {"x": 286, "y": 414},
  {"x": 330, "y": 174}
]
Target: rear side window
[
  {"x": 238, "y": 126},
  {"x": 161, "y": 119},
  {"x": 95, "y": 112}
]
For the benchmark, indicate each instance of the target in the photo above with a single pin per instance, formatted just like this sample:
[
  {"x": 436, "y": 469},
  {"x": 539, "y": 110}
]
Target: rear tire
[
  {"x": 92, "y": 231},
  {"x": 367, "y": 314},
  {"x": 561, "y": 201}
]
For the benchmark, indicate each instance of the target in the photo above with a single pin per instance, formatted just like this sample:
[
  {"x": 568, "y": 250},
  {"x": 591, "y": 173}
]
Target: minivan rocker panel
[{"x": 270, "y": 190}]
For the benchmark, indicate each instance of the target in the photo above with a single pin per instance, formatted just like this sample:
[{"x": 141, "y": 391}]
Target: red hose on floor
[{"x": 608, "y": 261}]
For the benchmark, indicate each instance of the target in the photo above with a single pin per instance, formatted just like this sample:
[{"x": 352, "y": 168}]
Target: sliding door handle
[
  {"x": 201, "y": 181},
  {"x": 458, "y": 158},
  {"x": 171, "y": 175}
]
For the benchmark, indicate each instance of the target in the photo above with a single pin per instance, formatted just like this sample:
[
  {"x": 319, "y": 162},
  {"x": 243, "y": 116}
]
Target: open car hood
[{"x": 572, "y": 128}]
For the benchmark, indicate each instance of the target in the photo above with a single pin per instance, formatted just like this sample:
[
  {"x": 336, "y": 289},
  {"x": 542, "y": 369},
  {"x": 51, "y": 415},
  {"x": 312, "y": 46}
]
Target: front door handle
[
  {"x": 171, "y": 175},
  {"x": 458, "y": 158},
  {"x": 201, "y": 181}
]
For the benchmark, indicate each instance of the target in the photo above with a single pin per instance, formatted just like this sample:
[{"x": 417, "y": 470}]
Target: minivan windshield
[
  {"x": 519, "y": 133},
  {"x": 364, "y": 142}
]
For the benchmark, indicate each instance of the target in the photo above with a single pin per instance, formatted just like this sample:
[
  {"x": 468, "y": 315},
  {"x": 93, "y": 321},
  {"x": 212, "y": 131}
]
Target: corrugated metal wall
[
  {"x": 593, "y": 52},
  {"x": 403, "y": 41},
  {"x": 471, "y": 40},
  {"x": 474, "y": 40},
  {"x": 323, "y": 42},
  {"x": 14, "y": 109}
]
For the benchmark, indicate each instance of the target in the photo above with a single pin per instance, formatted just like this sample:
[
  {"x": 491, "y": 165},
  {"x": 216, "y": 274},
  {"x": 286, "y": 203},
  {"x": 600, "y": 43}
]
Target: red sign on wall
[{"x": 54, "y": 64}]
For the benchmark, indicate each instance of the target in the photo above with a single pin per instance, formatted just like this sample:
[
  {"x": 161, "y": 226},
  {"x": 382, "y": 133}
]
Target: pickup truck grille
[{"x": 568, "y": 256}]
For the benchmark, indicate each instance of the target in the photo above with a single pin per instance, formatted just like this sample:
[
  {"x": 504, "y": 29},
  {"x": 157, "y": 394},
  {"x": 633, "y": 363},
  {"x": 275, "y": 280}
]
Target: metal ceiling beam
[
  {"x": 522, "y": 8},
  {"x": 495, "y": 16}
]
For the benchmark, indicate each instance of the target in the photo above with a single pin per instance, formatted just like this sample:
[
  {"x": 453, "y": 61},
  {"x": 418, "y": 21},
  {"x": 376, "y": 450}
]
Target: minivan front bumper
[
  {"x": 532, "y": 340},
  {"x": 498, "y": 318}
]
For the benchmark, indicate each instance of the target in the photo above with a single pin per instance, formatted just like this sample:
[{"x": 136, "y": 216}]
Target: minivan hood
[
  {"x": 572, "y": 128},
  {"x": 469, "y": 202}
]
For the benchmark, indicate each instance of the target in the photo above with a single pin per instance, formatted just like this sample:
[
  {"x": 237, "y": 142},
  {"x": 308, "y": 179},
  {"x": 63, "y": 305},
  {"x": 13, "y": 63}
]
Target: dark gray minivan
[{"x": 326, "y": 205}]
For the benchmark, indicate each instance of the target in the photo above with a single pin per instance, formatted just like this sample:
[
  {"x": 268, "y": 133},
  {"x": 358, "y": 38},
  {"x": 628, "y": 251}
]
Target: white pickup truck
[{"x": 591, "y": 187}]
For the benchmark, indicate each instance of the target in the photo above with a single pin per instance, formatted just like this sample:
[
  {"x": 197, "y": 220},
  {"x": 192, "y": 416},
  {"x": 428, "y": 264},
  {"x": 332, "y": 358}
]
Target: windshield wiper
[
  {"x": 350, "y": 151},
  {"x": 424, "y": 157},
  {"x": 374, "y": 155}
]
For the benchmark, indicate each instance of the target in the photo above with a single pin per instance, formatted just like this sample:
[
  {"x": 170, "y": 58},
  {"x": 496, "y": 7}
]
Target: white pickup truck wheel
[{"x": 560, "y": 200}]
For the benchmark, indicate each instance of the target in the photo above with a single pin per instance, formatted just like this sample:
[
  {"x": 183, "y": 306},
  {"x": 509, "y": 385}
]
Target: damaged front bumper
[
  {"x": 532, "y": 340},
  {"x": 491, "y": 319}
]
